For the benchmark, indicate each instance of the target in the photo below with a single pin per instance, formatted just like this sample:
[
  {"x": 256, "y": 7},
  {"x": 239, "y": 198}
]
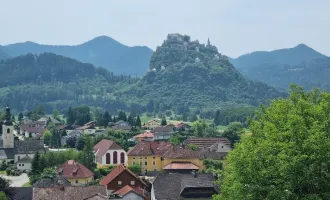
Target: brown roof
[
  {"x": 124, "y": 190},
  {"x": 97, "y": 197},
  {"x": 104, "y": 145},
  {"x": 184, "y": 152},
  {"x": 124, "y": 128},
  {"x": 116, "y": 172},
  {"x": 33, "y": 129},
  {"x": 149, "y": 148},
  {"x": 145, "y": 135},
  {"x": 73, "y": 168},
  {"x": 181, "y": 165},
  {"x": 206, "y": 142},
  {"x": 68, "y": 193}
]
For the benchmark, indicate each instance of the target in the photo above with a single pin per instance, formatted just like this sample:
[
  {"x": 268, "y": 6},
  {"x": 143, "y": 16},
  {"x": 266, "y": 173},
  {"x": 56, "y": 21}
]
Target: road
[{"x": 16, "y": 181}]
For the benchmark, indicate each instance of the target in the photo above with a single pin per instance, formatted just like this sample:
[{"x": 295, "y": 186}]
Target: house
[
  {"x": 108, "y": 152},
  {"x": 88, "y": 128},
  {"x": 183, "y": 186},
  {"x": 129, "y": 193},
  {"x": 24, "y": 164},
  {"x": 163, "y": 132},
  {"x": 15, "y": 150},
  {"x": 121, "y": 177},
  {"x": 67, "y": 128},
  {"x": 33, "y": 129},
  {"x": 213, "y": 144},
  {"x": 125, "y": 129},
  {"x": 68, "y": 193},
  {"x": 75, "y": 172},
  {"x": 151, "y": 124},
  {"x": 122, "y": 123},
  {"x": 47, "y": 120},
  {"x": 148, "y": 154},
  {"x": 181, "y": 126},
  {"x": 73, "y": 134},
  {"x": 146, "y": 135},
  {"x": 181, "y": 158}
]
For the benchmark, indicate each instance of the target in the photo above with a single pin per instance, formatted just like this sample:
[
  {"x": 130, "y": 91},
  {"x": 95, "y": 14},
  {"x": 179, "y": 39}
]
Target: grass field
[
  {"x": 28, "y": 184},
  {"x": 2, "y": 172}
]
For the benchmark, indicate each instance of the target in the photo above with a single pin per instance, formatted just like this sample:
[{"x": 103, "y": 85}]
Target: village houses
[
  {"x": 76, "y": 173},
  {"x": 108, "y": 152}
]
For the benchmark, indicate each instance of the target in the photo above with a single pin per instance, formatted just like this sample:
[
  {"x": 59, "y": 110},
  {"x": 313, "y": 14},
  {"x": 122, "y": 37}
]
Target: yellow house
[
  {"x": 75, "y": 172},
  {"x": 149, "y": 154}
]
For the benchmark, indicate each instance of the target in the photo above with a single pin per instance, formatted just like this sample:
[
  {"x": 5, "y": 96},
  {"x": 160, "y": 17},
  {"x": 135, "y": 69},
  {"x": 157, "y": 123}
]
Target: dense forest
[
  {"x": 100, "y": 51},
  {"x": 301, "y": 65}
]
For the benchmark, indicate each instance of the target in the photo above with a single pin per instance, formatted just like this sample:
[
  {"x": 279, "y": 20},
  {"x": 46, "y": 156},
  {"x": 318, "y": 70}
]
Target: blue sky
[{"x": 235, "y": 26}]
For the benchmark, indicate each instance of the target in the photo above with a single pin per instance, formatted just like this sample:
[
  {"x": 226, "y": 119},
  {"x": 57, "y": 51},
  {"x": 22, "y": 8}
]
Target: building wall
[
  {"x": 195, "y": 161},
  {"x": 153, "y": 162},
  {"x": 125, "y": 178},
  {"x": 81, "y": 181},
  {"x": 8, "y": 138},
  {"x": 220, "y": 147},
  {"x": 89, "y": 131},
  {"x": 23, "y": 166},
  {"x": 103, "y": 159},
  {"x": 132, "y": 196}
]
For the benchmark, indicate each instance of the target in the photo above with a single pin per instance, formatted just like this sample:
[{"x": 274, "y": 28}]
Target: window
[
  {"x": 115, "y": 159},
  {"x": 222, "y": 147},
  {"x": 8, "y": 130},
  {"x": 154, "y": 158},
  {"x": 19, "y": 164},
  {"x": 107, "y": 158},
  {"x": 23, "y": 165},
  {"x": 153, "y": 162},
  {"x": 155, "y": 170},
  {"x": 132, "y": 182},
  {"x": 145, "y": 158},
  {"x": 140, "y": 163},
  {"x": 133, "y": 158},
  {"x": 140, "y": 158},
  {"x": 76, "y": 181},
  {"x": 119, "y": 183},
  {"x": 122, "y": 157},
  {"x": 133, "y": 163},
  {"x": 145, "y": 163},
  {"x": 18, "y": 157}
]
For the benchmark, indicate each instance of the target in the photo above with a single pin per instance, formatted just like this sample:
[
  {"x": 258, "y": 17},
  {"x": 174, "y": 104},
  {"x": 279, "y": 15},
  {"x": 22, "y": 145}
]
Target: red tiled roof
[
  {"x": 72, "y": 168},
  {"x": 104, "y": 145},
  {"x": 206, "y": 142},
  {"x": 182, "y": 151},
  {"x": 145, "y": 135},
  {"x": 116, "y": 172},
  {"x": 181, "y": 165},
  {"x": 149, "y": 148},
  {"x": 123, "y": 191}
]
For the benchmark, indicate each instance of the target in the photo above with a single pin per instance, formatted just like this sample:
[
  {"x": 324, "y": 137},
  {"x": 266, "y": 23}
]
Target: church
[{"x": 18, "y": 152}]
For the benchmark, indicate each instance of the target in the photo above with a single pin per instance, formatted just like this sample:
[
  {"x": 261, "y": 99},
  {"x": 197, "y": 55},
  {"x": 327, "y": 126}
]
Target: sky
[{"x": 236, "y": 27}]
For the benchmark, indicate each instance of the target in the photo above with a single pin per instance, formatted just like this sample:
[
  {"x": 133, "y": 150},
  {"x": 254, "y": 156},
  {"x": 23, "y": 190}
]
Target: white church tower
[{"x": 8, "y": 131}]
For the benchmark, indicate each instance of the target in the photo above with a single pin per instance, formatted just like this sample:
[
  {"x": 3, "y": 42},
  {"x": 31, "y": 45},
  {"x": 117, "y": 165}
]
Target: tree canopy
[{"x": 287, "y": 155}]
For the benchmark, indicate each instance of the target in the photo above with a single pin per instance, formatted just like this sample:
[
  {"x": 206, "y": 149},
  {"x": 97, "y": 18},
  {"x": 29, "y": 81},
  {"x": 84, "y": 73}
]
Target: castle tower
[{"x": 8, "y": 131}]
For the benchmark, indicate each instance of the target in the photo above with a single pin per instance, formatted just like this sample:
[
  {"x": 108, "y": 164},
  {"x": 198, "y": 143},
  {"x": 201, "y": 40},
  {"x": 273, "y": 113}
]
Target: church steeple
[
  {"x": 8, "y": 121},
  {"x": 8, "y": 130},
  {"x": 208, "y": 41}
]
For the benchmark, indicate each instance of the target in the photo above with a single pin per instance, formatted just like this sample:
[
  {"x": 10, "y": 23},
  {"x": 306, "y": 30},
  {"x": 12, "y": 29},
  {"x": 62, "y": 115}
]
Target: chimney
[{"x": 193, "y": 172}]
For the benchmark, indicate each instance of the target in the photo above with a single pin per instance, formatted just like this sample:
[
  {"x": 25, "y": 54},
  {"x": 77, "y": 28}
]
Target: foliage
[
  {"x": 79, "y": 115},
  {"x": 3, "y": 166},
  {"x": 192, "y": 147},
  {"x": 136, "y": 169},
  {"x": 47, "y": 137},
  {"x": 48, "y": 173},
  {"x": 287, "y": 155},
  {"x": 57, "y": 158},
  {"x": 55, "y": 139},
  {"x": 3, "y": 196},
  {"x": 56, "y": 114},
  {"x": 211, "y": 164},
  {"x": 174, "y": 140},
  {"x": 122, "y": 116},
  {"x": 80, "y": 143},
  {"x": 122, "y": 139},
  {"x": 20, "y": 116},
  {"x": 71, "y": 142},
  {"x": 88, "y": 153},
  {"x": 233, "y": 132},
  {"x": 4, "y": 187},
  {"x": 163, "y": 122},
  {"x": 138, "y": 121},
  {"x": 199, "y": 128}
]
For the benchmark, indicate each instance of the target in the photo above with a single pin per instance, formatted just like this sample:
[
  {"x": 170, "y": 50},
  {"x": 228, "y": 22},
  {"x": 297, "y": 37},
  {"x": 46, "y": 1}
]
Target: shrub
[{"x": 8, "y": 170}]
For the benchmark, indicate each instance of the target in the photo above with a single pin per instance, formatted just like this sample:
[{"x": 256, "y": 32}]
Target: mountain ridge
[{"x": 101, "y": 51}]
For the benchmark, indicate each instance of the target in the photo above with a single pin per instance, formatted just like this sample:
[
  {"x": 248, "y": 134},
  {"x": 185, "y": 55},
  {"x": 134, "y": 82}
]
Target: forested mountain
[
  {"x": 58, "y": 82},
  {"x": 102, "y": 51},
  {"x": 185, "y": 73},
  {"x": 3, "y": 55},
  {"x": 300, "y": 65}
]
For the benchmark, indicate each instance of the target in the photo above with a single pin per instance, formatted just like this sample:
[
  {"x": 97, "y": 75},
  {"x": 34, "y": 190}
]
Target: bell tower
[{"x": 8, "y": 131}]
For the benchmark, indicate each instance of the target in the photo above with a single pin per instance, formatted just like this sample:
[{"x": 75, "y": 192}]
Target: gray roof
[
  {"x": 171, "y": 186},
  {"x": 75, "y": 133},
  {"x": 6, "y": 153},
  {"x": 163, "y": 129},
  {"x": 51, "y": 182},
  {"x": 21, "y": 193},
  {"x": 29, "y": 146},
  {"x": 26, "y": 159}
]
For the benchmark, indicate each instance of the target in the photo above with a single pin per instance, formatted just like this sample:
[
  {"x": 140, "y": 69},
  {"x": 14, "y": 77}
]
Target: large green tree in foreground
[{"x": 288, "y": 154}]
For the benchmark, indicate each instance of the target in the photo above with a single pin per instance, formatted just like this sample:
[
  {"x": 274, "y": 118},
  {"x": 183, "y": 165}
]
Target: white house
[
  {"x": 108, "y": 152},
  {"x": 24, "y": 164}
]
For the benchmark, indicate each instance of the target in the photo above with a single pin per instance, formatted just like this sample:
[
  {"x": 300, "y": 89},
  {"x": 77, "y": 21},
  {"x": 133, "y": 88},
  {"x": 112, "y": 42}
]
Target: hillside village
[{"x": 104, "y": 168}]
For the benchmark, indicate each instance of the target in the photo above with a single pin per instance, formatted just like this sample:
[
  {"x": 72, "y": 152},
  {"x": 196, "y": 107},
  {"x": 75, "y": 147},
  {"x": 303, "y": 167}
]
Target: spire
[
  {"x": 208, "y": 41},
  {"x": 8, "y": 116}
]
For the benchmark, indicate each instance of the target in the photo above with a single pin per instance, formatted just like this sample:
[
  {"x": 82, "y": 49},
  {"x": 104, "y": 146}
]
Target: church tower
[{"x": 8, "y": 131}]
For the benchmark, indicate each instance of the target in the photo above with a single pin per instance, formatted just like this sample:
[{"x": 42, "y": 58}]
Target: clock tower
[{"x": 8, "y": 131}]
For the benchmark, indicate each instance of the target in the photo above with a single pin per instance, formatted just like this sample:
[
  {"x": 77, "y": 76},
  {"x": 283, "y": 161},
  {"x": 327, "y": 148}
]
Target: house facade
[
  {"x": 121, "y": 177},
  {"x": 151, "y": 124},
  {"x": 213, "y": 144},
  {"x": 108, "y": 152},
  {"x": 24, "y": 164},
  {"x": 149, "y": 155},
  {"x": 163, "y": 132},
  {"x": 76, "y": 173}
]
